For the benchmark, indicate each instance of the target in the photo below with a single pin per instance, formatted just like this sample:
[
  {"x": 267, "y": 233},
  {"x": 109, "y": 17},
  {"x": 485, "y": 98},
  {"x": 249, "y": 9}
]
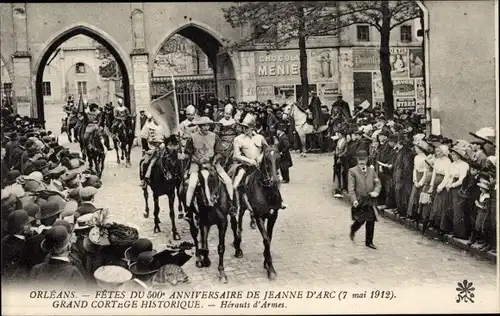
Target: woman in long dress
[
  {"x": 440, "y": 176},
  {"x": 453, "y": 220},
  {"x": 420, "y": 174}
]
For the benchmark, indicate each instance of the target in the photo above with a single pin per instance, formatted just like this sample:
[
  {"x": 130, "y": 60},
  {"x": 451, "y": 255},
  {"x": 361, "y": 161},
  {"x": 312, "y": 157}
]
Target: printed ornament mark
[{"x": 465, "y": 292}]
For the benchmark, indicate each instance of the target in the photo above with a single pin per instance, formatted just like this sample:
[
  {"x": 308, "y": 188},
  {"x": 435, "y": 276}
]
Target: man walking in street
[{"x": 363, "y": 185}]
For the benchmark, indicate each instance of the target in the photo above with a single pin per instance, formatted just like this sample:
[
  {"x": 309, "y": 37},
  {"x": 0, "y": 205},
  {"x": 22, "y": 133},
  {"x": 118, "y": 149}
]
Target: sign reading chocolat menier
[{"x": 277, "y": 67}]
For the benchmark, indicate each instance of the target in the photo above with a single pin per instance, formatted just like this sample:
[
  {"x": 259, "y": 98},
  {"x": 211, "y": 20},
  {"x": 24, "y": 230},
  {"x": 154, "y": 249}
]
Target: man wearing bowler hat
[{"x": 363, "y": 185}]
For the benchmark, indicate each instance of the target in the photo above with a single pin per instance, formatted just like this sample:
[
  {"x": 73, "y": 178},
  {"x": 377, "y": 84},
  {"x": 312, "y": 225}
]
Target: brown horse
[{"x": 263, "y": 197}]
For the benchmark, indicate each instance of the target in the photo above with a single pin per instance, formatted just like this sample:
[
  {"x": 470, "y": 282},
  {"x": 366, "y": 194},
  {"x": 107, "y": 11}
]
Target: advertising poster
[
  {"x": 378, "y": 88},
  {"x": 405, "y": 103},
  {"x": 420, "y": 89},
  {"x": 378, "y": 103},
  {"x": 416, "y": 63},
  {"x": 365, "y": 58},
  {"x": 277, "y": 67},
  {"x": 284, "y": 94},
  {"x": 404, "y": 87},
  {"x": 323, "y": 65},
  {"x": 327, "y": 92},
  {"x": 420, "y": 107},
  {"x": 265, "y": 93},
  {"x": 399, "y": 63},
  {"x": 362, "y": 87}
]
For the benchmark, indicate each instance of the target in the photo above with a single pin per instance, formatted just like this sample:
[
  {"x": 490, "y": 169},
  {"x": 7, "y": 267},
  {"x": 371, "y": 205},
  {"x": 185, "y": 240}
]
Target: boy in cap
[
  {"x": 87, "y": 201},
  {"x": 363, "y": 185}
]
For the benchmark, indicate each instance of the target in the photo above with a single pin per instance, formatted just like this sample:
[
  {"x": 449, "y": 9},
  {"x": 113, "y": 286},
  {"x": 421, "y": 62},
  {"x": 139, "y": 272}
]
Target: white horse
[{"x": 302, "y": 127}]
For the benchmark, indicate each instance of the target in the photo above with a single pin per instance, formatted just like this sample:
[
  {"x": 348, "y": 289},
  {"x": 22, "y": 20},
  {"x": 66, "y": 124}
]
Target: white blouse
[
  {"x": 458, "y": 170},
  {"x": 442, "y": 165},
  {"x": 419, "y": 163}
]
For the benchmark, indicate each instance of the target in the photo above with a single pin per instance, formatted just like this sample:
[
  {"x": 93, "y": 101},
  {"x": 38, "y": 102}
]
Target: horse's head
[
  {"x": 171, "y": 144},
  {"x": 268, "y": 166}
]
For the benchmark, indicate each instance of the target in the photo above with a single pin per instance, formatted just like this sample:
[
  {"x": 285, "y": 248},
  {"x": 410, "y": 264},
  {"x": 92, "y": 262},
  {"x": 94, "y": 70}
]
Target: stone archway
[
  {"x": 96, "y": 34},
  {"x": 210, "y": 43}
]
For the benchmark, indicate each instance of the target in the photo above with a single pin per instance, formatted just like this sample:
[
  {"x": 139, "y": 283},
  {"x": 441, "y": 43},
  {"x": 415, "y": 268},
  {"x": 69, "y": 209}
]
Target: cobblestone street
[{"x": 310, "y": 244}]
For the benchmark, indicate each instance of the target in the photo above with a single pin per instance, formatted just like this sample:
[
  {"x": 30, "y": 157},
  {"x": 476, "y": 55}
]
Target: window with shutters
[
  {"x": 363, "y": 33},
  {"x": 82, "y": 87},
  {"x": 46, "y": 91}
]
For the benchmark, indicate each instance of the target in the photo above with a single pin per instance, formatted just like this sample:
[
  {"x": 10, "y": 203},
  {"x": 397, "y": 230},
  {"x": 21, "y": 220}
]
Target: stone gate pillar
[
  {"x": 21, "y": 84},
  {"x": 247, "y": 83}
]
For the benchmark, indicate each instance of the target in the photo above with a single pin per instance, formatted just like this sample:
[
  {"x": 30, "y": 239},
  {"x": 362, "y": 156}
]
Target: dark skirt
[
  {"x": 440, "y": 203},
  {"x": 469, "y": 210},
  {"x": 453, "y": 220},
  {"x": 413, "y": 201}
]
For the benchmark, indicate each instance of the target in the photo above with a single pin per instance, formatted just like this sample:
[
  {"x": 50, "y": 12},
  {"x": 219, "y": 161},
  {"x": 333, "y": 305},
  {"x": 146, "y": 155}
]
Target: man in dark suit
[
  {"x": 284, "y": 148},
  {"x": 363, "y": 185},
  {"x": 344, "y": 106}
]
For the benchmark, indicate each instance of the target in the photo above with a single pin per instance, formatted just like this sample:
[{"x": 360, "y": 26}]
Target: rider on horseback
[
  {"x": 121, "y": 113},
  {"x": 94, "y": 117},
  {"x": 205, "y": 148},
  {"x": 185, "y": 128},
  {"x": 227, "y": 130},
  {"x": 248, "y": 151},
  {"x": 154, "y": 134}
]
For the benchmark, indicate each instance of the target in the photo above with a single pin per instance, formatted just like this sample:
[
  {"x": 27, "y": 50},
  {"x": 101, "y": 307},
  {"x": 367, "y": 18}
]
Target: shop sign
[
  {"x": 265, "y": 93},
  {"x": 277, "y": 66},
  {"x": 404, "y": 87}
]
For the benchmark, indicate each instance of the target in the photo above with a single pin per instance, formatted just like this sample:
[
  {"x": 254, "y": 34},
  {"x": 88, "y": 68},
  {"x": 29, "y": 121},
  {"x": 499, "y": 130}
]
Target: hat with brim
[
  {"x": 361, "y": 154},
  {"x": 84, "y": 222},
  {"x": 460, "y": 152},
  {"x": 48, "y": 209},
  {"x": 169, "y": 256},
  {"x": 40, "y": 164},
  {"x": 56, "y": 239},
  {"x": 248, "y": 121},
  {"x": 138, "y": 246},
  {"x": 99, "y": 236},
  {"x": 57, "y": 171},
  {"x": 146, "y": 264},
  {"x": 112, "y": 276},
  {"x": 423, "y": 145},
  {"x": 483, "y": 139},
  {"x": 204, "y": 120},
  {"x": 484, "y": 185},
  {"x": 17, "y": 219}
]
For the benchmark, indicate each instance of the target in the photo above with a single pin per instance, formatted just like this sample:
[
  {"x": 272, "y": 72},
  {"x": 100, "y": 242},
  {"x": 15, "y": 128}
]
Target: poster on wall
[
  {"x": 404, "y": 87},
  {"x": 284, "y": 94},
  {"x": 378, "y": 87},
  {"x": 406, "y": 103},
  {"x": 265, "y": 93},
  {"x": 416, "y": 63},
  {"x": 420, "y": 107},
  {"x": 420, "y": 89},
  {"x": 400, "y": 67},
  {"x": 327, "y": 92},
  {"x": 365, "y": 58},
  {"x": 298, "y": 91},
  {"x": 362, "y": 87},
  {"x": 378, "y": 103},
  {"x": 323, "y": 65}
]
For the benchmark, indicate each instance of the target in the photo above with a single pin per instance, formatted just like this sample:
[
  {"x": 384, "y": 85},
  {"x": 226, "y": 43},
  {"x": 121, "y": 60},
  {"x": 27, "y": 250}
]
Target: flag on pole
[
  {"x": 81, "y": 107},
  {"x": 165, "y": 112}
]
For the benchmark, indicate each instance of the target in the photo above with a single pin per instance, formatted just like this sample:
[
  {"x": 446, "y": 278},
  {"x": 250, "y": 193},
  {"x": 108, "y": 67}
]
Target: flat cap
[{"x": 88, "y": 192}]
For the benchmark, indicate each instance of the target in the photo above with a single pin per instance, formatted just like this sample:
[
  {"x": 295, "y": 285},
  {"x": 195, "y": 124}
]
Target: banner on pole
[{"x": 165, "y": 112}]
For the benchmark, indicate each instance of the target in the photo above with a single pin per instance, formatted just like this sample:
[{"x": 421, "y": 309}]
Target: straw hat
[
  {"x": 111, "y": 276},
  {"x": 203, "y": 120},
  {"x": 248, "y": 121}
]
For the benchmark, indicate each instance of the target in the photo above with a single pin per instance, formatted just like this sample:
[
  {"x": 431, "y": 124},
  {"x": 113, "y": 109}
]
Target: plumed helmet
[{"x": 190, "y": 109}]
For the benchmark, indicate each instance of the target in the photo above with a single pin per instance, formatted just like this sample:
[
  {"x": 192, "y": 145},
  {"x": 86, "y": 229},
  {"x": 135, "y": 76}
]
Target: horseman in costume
[
  {"x": 205, "y": 149},
  {"x": 121, "y": 114},
  {"x": 248, "y": 151},
  {"x": 154, "y": 134},
  {"x": 107, "y": 122},
  {"x": 94, "y": 119},
  {"x": 185, "y": 127},
  {"x": 227, "y": 130}
]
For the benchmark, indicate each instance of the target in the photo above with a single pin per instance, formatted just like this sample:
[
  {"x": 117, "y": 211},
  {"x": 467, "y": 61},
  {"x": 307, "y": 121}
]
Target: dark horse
[
  {"x": 264, "y": 200},
  {"x": 125, "y": 138},
  {"x": 92, "y": 148},
  {"x": 203, "y": 216},
  {"x": 166, "y": 179}
]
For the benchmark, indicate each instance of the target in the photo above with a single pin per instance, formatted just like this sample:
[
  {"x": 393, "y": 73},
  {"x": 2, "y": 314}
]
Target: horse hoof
[
  {"x": 238, "y": 253},
  {"x": 199, "y": 264},
  {"x": 253, "y": 225},
  {"x": 272, "y": 275},
  {"x": 157, "y": 229},
  {"x": 176, "y": 236},
  {"x": 180, "y": 216},
  {"x": 207, "y": 263},
  {"x": 146, "y": 214},
  {"x": 223, "y": 278}
]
